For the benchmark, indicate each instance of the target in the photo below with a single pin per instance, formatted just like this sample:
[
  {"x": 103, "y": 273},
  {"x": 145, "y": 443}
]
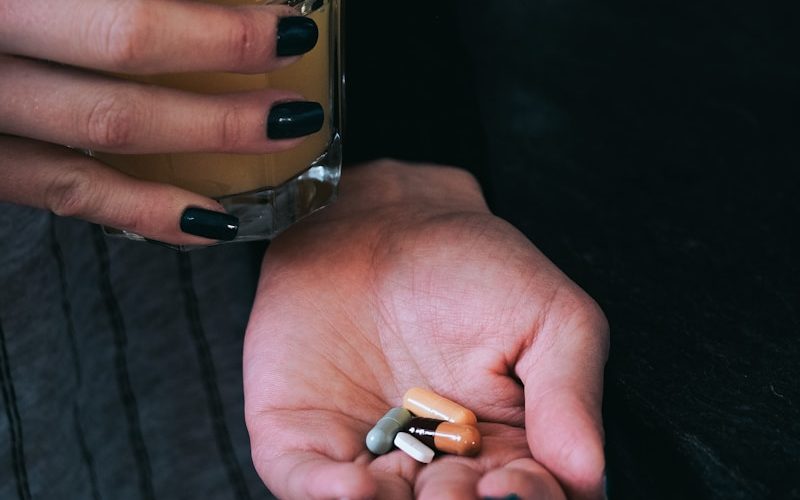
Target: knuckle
[
  {"x": 134, "y": 208},
  {"x": 70, "y": 193},
  {"x": 134, "y": 218},
  {"x": 125, "y": 35},
  {"x": 230, "y": 129},
  {"x": 242, "y": 40},
  {"x": 599, "y": 324},
  {"x": 591, "y": 312},
  {"x": 588, "y": 313},
  {"x": 598, "y": 321},
  {"x": 573, "y": 315},
  {"x": 111, "y": 122}
]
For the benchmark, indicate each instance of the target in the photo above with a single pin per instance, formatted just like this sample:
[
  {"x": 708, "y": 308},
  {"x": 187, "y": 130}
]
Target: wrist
[{"x": 389, "y": 183}]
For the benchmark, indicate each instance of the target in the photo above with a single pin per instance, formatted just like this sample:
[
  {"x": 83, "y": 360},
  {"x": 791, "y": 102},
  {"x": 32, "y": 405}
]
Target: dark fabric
[{"x": 121, "y": 365}]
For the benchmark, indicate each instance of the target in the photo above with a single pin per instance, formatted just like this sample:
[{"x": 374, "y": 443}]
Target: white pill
[{"x": 413, "y": 447}]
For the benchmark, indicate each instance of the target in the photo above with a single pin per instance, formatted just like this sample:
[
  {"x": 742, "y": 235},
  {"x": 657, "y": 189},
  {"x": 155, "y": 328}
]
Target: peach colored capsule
[
  {"x": 424, "y": 403},
  {"x": 441, "y": 436}
]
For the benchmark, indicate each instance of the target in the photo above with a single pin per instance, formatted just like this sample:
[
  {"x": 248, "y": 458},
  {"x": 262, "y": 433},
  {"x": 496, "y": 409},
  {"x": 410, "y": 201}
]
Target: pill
[
  {"x": 413, "y": 447},
  {"x": 446, "y": 437},
  {"x": 380, "y": 437},
  {"x": 424, "y": 403}
]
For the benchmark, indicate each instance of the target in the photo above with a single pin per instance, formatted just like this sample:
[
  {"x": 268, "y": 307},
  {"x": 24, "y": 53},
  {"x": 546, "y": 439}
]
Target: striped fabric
[{"x": 120, "y": 365}]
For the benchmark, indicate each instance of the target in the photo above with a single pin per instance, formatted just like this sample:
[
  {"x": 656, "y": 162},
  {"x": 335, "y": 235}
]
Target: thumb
[{"x": 562, "y": 372}]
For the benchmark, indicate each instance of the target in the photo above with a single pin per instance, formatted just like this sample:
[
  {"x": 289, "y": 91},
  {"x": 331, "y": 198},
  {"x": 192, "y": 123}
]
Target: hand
[
  {"x": 409, "y": 281},
  {"x": 43, "y": 105}
]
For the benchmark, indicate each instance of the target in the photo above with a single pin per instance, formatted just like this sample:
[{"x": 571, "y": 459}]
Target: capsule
[
  {"x": 446, "y": 437},
  {"x": 424, "y": 403},
  {"x": 381, "y": 437}
]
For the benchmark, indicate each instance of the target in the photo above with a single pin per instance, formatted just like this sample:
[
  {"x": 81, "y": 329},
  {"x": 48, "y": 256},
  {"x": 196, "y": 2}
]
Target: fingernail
[
  {"x": 294, "y": 119},
  {"x": 209, "y": 224},
  {"x": 296, "y": 35},
  {"x": 512, "y": 496}
]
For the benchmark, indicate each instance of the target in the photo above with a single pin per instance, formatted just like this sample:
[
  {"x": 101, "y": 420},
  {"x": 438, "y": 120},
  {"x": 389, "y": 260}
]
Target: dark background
[{"x": 650, "y": 149}]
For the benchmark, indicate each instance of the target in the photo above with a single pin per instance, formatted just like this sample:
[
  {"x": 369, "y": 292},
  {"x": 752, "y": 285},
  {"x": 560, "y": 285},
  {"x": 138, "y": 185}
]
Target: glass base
[{"x": 266, "y": 213}]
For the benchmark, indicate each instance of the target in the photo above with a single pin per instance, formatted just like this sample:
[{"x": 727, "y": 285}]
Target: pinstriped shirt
[{"x": 120, "y": 365}]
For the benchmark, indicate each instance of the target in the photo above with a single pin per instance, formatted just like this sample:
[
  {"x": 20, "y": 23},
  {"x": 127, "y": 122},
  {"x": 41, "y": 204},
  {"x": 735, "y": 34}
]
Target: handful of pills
[{"x": 426, "y": 423}]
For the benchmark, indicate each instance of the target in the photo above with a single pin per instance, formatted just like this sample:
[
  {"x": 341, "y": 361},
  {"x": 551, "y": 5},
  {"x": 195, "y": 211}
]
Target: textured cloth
[{"x": 120, "y": 365}]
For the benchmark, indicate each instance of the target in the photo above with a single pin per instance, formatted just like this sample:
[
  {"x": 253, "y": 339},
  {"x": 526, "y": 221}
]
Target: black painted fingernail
[
  {"x": 296, "y": 35},
  {"x": 294, "y": 119},
  {"x": 512, "y": 496},
  {"x": 209, "y": 224}
]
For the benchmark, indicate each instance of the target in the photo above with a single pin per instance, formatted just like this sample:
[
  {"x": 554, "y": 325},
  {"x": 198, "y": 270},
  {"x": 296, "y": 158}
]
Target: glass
[{"x": 267, "y": 192}]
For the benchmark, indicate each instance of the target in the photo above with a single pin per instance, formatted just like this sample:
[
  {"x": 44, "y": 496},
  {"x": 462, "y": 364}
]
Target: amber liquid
[{"x": 218, "y": 175}]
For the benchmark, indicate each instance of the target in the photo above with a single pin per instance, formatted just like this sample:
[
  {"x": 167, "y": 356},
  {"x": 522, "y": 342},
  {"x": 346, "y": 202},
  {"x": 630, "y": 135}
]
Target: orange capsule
[
  {"x": 445, "y": 437},
  {"x": 424, "y": 403}
]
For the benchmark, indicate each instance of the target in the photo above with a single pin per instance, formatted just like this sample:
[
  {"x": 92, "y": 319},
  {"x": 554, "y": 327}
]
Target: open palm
[{"x": 410, "y": 281}]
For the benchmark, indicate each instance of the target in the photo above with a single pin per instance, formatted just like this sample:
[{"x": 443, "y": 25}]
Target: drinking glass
[{"x": 267, "y": 192}]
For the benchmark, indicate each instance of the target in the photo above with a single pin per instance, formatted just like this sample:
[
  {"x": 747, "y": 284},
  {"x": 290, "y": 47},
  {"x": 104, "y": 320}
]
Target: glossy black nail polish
[
  {"x": 296, "y": 35},
  {"x": 294, "y": 119},
  {"x": 209, "y": 224},
  {"x": 512, "y": 496}
]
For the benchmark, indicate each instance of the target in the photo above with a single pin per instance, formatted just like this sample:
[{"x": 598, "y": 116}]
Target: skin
[
  {"x": 407, "y": 281},
  {"x": 410, "y": 281}
]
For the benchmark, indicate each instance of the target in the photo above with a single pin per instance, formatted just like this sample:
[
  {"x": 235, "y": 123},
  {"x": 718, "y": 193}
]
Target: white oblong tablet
[{"x": 413, "y": 447}]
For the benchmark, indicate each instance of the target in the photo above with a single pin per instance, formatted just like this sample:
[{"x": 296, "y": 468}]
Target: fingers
[
  {"x": 447, "y": 479},
  {"x": 563, "y": 378},
  {"x": 64, "y": 106},
  {"x": 310, "y": 475},
  {"x": 392, "y": 486},
  {"x": 457, "y": 478},
  {"x": 522, "y": 478},
  {"x": 71, "y": 184},
  {"x": 154, "y": 36}
]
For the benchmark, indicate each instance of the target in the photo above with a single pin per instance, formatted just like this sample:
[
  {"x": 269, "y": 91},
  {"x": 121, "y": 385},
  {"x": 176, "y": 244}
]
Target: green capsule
[{"x": 381, "y": 437}]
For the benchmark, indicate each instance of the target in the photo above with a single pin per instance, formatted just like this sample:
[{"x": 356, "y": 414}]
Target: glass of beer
[{"x": 267, "y": 192}]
